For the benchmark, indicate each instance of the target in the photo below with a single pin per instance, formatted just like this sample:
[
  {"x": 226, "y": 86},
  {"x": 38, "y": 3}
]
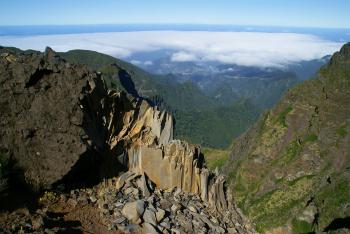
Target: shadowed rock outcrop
[
  {"x": 50, "y": 110},
  {"x": 60, "y": 123}
]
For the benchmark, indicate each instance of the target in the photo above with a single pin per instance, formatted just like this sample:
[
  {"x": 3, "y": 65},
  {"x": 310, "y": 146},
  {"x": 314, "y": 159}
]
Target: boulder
[{"x": 133, "y": 210}]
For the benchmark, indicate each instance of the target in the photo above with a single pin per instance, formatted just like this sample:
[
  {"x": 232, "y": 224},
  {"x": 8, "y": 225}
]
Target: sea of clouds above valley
[{"x": 241, "y": 48}]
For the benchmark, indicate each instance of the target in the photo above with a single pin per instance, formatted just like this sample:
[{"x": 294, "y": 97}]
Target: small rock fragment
[
  {"x": 160, "y": 214},
  {"x": 150, "y": 217},
  {"x": 175, "y": 207},
  {"x": 149, "y": 228},
  {"x": 192, "y": 209}
]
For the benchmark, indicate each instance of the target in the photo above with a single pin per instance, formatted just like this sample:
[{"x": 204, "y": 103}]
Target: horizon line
[{"x": 175, "y": 24}]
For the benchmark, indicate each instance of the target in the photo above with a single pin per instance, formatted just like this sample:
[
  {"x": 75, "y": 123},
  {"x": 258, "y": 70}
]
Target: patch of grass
[
  {"x": 282, "y": 116},
  {"x": 301, "y": 226},
  {"x": 293, "y": 182},
  {"x": 342, "y": 131},
  {"x": 274, "y": 208},
  {"x": 279, "y": 181},
  {"x": 311, "y": 138},
  {"x": 292, "y": 151},
  {"x": 230, "y": 177},
  {"x": 215, "y": 158}
]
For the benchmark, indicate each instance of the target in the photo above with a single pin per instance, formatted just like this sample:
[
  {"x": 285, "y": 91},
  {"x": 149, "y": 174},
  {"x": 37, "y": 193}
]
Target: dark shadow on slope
[
  {"x": 17, "y": 194},
  {"x": 127, "y": 83},
  {"x": 57, "y": 220},
  {"x": 338, "y": 223},
  {"x": 91, "y": 169},
  {"x": 37, "y": 76}
]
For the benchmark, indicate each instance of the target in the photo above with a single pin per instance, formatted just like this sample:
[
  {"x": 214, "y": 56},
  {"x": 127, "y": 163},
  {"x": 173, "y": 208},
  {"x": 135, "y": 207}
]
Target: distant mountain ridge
[{"x": 263, "y": 86}]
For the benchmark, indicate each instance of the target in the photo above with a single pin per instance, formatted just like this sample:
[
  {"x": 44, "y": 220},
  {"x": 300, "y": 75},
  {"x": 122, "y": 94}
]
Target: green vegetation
[
  {"x": 301, "y": 226},
  {"x": 215, "y": 158},
  {"x": 342, "y": 131},
  {"x": 92, "y": 59},
  {"x": 291, "y": 152},
  {"x": 263, "y": 93},
  {"x": 214, "y": 127},
  {"x": 311, "y": 138},
  {"x": 282, "y": 116},
  {"x": 269, "y": 210}
]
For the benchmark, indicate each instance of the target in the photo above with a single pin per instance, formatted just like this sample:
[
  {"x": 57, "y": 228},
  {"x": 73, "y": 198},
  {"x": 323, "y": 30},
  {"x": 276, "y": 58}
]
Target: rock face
[
  {"x": 290, "y": 172},
  {"x": 176, "y": 164},
  {"x": 44, "y": 122},
  {"x": 59, "y": 122}
]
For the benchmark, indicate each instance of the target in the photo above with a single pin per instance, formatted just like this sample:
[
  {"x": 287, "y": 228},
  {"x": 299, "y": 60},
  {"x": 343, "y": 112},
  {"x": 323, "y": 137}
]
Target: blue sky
[{"x": 304, "y": 13}]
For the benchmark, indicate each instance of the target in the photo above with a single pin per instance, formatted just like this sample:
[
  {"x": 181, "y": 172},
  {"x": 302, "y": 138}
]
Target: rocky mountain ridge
[{"x": 63, "y": 129}]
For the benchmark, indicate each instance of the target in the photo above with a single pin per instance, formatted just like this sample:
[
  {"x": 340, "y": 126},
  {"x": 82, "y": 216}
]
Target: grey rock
[
  {"x": 149, "y": 228},
  {"x": 160, "y": 214},
  {"x": 165, "y": 224},
  {"x": 175, "y": 207},
  {"x": 131, "y": 228},
  {"x": 192, "y": 208},
  {"x": 133, "y": 210},
  {"x": 118, "y": 205},
  {"x": 150, "y": 217},
  {"x": 93, "y": 198},
  {"x": 177, "y": 192},
  {"x": 145, "y": 190},
  {"x": 119, "y": 220},
  {"x": 121, "y": 180},
  {"x": 165, "y": 204}
]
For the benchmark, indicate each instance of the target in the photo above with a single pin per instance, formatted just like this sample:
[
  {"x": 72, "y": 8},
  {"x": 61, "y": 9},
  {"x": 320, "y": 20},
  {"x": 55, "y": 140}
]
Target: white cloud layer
[
  {"x": 242, "y": 48},
  {"x": 183, "y": 56}
]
